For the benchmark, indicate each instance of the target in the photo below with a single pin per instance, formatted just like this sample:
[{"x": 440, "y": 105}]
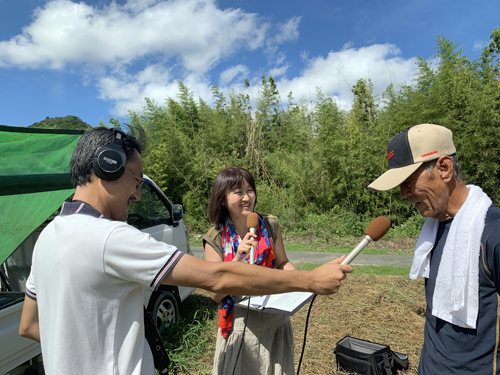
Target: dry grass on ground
[{"x": 383, "y": 309}]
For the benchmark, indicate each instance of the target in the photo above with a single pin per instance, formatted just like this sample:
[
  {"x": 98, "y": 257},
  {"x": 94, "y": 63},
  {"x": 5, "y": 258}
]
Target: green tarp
[{"x": 34, "y": 180}]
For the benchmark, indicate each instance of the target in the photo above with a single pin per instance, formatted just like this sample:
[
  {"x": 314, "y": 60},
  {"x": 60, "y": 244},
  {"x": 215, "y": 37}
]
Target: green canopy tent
[{"x": 34, "y": 180}]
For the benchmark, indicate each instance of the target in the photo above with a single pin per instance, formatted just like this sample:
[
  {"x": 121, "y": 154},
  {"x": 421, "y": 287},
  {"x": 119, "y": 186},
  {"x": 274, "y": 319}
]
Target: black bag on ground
[{"x": 368, "y": 358}]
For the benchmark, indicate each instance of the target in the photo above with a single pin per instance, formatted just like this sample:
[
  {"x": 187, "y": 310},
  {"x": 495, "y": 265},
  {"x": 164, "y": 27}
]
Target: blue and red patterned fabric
[{"x": 264, "y": 256}]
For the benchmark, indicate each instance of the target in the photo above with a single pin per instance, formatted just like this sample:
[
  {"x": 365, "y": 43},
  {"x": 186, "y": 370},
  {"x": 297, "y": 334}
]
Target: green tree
[
  {"x": 67, "y": 122},
  {"x": 312, "y": 160}
]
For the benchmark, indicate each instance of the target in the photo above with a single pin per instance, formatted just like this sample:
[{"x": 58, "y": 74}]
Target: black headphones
[{"x": 110, "y": 159}]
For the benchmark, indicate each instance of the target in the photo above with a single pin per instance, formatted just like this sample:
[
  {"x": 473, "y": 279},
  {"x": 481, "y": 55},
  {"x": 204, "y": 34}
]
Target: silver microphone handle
[
  {"x": 364, "y": 243},
  {"x": 252, "y": 250}
]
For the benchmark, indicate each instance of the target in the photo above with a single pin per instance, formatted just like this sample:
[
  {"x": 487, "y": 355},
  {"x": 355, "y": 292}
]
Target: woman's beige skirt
[{"x": 267, "y": 349}]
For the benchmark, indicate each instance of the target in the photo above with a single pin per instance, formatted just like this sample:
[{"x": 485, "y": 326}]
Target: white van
[{"x": 153, "y": 214}]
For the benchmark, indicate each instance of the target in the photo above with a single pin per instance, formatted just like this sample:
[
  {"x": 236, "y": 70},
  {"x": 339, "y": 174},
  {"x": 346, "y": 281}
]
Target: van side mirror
[{"x": 178, "y": 213}]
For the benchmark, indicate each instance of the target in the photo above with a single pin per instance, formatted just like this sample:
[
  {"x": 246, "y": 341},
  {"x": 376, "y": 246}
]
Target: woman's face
[{"x": 240, "y": 201}]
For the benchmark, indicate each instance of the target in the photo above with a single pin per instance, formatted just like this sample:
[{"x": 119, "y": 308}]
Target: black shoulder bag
[
  {"x": 160, "y": 355},
  {"x": 368, "y": 358}
]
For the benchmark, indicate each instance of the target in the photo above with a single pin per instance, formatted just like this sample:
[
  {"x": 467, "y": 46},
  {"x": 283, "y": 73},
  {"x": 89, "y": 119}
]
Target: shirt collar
[{"x": 79, "y": 207}]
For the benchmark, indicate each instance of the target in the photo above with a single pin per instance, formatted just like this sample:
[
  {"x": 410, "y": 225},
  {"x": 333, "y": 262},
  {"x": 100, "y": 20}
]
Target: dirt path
[{"x": 360, "y": 260}]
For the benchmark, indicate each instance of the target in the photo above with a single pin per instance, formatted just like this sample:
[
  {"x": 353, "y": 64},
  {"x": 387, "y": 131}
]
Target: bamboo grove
[{"x": 312, "y": 160}]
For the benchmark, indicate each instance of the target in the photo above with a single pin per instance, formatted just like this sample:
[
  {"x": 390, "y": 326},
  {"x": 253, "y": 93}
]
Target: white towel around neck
[{"x": 456, "y": 294}]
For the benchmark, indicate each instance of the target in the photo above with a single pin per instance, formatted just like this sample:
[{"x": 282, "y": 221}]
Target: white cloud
[
  {"x": 194, "y": 32},
  {"x": 140, "y": 48},
  {"x": 335, "y": 74},
  {"x": 128, "y": 91},
  {"x": 288, "y": 31},
  {"x": 479, "y": 45},
  {"x": 229, "y": 74},
  {"x": 280, "y": 58},
  {"x": 278, "y": 72},
  {"x": 165, "y": 39},
  {"x": 146, "y": 83},
  {"x": 339, "y": 71}
]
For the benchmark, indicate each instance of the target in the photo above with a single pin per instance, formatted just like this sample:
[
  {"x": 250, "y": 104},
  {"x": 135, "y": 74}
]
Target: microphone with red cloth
[{"x": 375, "y": 231}]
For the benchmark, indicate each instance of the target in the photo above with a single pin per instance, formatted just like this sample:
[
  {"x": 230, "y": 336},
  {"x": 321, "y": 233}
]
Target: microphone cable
[
  {"x": 242, "y": 336},
  {"x": 375, "y": 231},
  {"x": 303, "y": 344},
  {"x": 305, "y": 334}
]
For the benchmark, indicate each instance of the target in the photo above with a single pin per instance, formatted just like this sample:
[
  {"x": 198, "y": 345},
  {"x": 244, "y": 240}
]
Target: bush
[
  {"x": 410, "y": 228},
  {"x": 332, "y": 223}
]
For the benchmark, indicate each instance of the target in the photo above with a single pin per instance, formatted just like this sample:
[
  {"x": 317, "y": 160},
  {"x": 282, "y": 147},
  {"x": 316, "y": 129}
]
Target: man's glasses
[{"x": 139, "y": 179}]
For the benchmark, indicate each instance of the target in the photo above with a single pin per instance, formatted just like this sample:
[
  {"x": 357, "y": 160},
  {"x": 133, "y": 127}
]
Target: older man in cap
[{"x": 458, "y": 252}]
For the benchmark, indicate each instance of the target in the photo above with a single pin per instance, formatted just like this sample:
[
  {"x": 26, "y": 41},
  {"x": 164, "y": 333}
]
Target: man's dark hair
[
  {"x": 82, "y": 161},
  {"x": 227, "y": 179}
]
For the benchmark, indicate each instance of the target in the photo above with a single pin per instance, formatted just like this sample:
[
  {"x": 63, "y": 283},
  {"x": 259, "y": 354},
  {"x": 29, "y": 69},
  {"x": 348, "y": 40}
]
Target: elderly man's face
[{"x": 427, "y": 192}]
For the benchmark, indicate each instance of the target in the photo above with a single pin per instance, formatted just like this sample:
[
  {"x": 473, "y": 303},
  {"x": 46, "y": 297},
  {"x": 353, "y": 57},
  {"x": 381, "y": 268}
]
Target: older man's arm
[
  {"x": 29, "y": 320},
  {"x": 245, "y": 279}
]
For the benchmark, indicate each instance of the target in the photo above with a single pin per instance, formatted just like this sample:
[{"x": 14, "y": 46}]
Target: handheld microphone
[
  {"x": 375, "y": 231},
  {"x": 252, "y": 225}
]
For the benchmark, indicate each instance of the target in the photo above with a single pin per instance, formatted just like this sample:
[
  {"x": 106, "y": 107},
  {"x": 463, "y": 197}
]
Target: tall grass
[{"x": 193, "y": 335}]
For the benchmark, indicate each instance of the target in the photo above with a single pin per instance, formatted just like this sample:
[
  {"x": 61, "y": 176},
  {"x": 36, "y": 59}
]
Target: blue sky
[{"x": 96, "y": 59}]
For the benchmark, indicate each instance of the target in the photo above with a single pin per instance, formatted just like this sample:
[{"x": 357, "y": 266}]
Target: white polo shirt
[{"x": 87, "y": 277}]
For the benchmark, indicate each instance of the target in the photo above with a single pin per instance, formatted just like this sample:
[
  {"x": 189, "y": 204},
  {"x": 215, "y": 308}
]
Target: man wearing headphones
[{"x": 84, "y": 296}]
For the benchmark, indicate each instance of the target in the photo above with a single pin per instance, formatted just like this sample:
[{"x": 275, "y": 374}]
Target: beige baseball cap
[{"x": 411, "y": 148}]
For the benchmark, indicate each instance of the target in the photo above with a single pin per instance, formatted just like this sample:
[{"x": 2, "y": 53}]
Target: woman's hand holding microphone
[{"x": 244, "y": 247}]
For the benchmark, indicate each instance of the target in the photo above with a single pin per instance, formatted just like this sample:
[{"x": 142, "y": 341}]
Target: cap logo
[
  {"x": 429, "y": 154},
  {"x": 390, "y": 155}
]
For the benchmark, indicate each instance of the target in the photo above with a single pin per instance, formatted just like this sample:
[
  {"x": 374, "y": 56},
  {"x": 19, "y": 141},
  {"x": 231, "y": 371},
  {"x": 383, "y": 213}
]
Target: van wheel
[{"x": 165, "y": 312}]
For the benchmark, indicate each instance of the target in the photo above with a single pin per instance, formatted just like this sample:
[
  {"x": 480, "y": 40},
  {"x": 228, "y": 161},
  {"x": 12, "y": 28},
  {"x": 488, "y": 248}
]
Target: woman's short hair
[{"x": 227, "y": 179}]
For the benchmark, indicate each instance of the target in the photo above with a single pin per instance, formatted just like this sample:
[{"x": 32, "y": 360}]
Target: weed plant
[
  {"x": 325, "y": 228},
  {"x": 347, "y": 224},
  {"x": 193, "y": 334},
  {"x": 410, "y": 228}
]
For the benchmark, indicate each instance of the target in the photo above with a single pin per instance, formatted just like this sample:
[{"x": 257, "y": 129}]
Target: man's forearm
[
  {"x": 32, "y": 333},
  {"x": 29, "y": 326},
  {"x": 255, "y": 280},
  {"x": 244, "y": 279}
]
